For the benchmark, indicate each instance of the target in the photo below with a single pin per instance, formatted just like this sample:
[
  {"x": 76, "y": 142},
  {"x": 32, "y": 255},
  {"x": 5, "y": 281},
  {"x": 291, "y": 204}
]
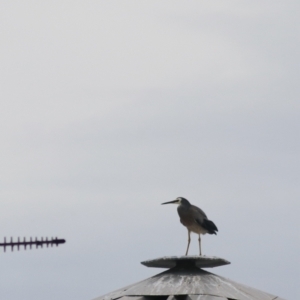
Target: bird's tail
[{"x": 210, "y": 226}]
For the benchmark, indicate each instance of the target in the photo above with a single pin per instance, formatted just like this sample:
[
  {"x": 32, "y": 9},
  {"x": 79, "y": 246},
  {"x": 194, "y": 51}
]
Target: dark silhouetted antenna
[{"x": 41, "y": 242}]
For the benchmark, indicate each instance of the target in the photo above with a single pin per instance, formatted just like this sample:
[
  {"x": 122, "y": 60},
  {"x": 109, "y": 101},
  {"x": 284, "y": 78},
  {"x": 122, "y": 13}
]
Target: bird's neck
[{"x": 183, "y": 207}]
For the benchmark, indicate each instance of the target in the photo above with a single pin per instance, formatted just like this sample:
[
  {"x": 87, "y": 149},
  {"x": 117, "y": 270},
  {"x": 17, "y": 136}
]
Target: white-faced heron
[{"x": 194, "y": 219}]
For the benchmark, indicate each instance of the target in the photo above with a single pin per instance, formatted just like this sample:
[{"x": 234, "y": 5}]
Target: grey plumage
[{"x": 194, "y": 219}]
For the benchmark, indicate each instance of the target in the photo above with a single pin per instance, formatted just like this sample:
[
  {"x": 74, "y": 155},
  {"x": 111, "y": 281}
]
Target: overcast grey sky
[{"x": 109, "y": 108}]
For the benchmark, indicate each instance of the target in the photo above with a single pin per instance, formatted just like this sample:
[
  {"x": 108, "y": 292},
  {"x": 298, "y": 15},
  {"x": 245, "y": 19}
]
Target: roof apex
[{"x": 185, "y": 261}]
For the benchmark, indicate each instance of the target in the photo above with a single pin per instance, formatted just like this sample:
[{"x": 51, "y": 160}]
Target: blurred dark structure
[
  {"x": 38, "y": 243},
  {"x": 186, "y": 280}
]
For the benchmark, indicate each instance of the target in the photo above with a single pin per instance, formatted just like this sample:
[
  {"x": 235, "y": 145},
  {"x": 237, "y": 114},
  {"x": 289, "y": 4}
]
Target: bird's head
[{"x": 179, "y": 201}]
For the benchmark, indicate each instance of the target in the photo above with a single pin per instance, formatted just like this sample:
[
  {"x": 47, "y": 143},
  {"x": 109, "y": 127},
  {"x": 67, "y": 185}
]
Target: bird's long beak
[{"x": 169, "y": 202}]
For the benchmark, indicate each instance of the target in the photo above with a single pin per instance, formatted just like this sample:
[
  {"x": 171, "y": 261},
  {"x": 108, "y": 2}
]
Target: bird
[{"x": 194, "y": 219}]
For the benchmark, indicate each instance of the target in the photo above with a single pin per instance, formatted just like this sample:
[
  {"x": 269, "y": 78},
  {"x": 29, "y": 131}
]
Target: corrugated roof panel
[
  {"x": 206, "y": 297},
  {"x": 194, "y": 281}
]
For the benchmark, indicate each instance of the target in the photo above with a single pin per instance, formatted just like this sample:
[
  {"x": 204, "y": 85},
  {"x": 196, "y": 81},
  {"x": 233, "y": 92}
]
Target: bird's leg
[
  {"x": 189, "y": 240},
  {"x": 199, "y": 239}
]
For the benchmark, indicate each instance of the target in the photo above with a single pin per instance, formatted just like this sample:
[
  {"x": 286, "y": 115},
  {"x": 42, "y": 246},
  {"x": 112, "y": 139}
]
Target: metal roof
[{"x": 187, "y": 281}]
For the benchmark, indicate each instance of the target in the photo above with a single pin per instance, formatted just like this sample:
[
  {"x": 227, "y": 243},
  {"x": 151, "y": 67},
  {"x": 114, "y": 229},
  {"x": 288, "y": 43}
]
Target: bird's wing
[
  {"x": 198, "y": 212},
  {"x": 202, "y": 220}
]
